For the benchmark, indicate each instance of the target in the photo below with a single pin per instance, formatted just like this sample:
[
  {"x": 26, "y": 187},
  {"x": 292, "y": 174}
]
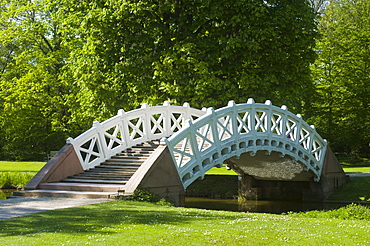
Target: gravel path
[{"x": 14, "y": 207}]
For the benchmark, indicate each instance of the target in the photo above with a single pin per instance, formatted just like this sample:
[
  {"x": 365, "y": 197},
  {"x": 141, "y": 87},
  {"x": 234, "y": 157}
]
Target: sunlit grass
[
  {"x": 134, "y": 223},
  {"x": 220, "y": 171},
  {"x": 20, "y": 166},
  {"x": 356, "y": 169}
]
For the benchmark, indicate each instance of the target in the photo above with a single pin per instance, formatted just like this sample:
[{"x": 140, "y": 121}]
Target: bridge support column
[
  {"x": 332, "y": 177},
  {"x": 162, "y": 178}
]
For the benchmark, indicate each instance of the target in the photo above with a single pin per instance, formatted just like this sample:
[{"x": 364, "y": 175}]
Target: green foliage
[
  {"x": 214, "y": 186},
  {"x": 15, "y": 179},
  {"x": 342, "y": 77},
  {"x": 33, "y": 110},
  {"x": 201, "y": 52},
  {"x": 142, "y": 195},
  {"x": 349, "y": 212}
]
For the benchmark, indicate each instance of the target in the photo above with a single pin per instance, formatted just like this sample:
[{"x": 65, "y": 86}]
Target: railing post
[
  {"x": 234, "y": 120},
  {"x": 186, "y": 115},
  {"x": 193, "y": 141},
  {"x": 167, "y": 119},
  {"x": 215, "y": 133},
  {"x": 311, "y": 134},
  {"x": 146, "y": 123},
  {"x": 124, "y": 127},
  {"x": 268, "y": 118},
  {"x": 298, "y": 129},
  {"x": 284, "y": 122},
  {"x": 102, "y": 145}
]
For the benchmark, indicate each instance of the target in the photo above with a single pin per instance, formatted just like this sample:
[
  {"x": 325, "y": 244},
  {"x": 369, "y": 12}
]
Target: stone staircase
[{"x": 102, "y": 181}]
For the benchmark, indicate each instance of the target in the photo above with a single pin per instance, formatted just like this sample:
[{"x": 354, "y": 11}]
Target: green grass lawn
[
  {"x": 20, "y": 166},
  {"x": 220, "y": 171},
  {"x": 135, "y": 223},
  {"x": 355, "y": 190},
  {"x": 356, "y": 169}
]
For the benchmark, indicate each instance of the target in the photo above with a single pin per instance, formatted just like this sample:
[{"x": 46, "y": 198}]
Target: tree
[
  {"x": 201, "y": 52},
  {"x": 342, "y": 76},
  {"x": 33, "y": 110},
  {"x": 64, "y": 64}
]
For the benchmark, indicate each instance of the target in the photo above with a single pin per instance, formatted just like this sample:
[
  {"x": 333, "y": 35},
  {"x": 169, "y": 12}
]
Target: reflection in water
[
  {"x": 4, "y": 193},
  {"x": 275, "y": 207}
]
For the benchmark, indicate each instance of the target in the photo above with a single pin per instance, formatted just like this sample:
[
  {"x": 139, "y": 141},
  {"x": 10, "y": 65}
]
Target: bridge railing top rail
[
  {"x": 128, "y": 129},
  {"x": 239, "y": 128}
]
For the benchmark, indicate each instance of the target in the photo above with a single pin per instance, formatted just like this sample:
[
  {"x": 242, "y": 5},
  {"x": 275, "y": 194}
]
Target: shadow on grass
[{"x": 105, "y": 217}]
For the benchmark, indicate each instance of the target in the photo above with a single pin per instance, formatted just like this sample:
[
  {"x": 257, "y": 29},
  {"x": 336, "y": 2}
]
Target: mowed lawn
[
  {"x": 20, "y": 166},
  {"x": 141, "y": 223}
]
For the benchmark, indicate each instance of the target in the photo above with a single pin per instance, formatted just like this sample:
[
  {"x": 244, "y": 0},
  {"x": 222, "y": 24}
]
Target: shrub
[
  {"x": 142, "y": 195},
  {"x": 15, "y": 179},
  {"x": 349, "y": 212}
]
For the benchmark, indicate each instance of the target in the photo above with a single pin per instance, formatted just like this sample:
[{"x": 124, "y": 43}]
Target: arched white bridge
[{"x": 201, "y": 139}]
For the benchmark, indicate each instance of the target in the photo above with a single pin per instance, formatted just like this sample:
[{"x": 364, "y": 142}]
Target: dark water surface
[
  {"x": 6, "y": 192},
  {"x": 275, "y": 207}
]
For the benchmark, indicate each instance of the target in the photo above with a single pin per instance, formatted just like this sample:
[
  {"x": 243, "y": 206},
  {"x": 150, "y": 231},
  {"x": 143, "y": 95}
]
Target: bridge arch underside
[
  {"x": 265, "y": 158},
  {"x": 272, "y": 165}
]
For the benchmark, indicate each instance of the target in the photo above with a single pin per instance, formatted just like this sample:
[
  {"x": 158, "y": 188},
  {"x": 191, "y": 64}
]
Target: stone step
[
  {"x": 101, "y": 177},
  {"x": 117, "y": 166},
  {"x": 129, "y": 157},
  {"x": 81, "y": 187},
  {"x": 108, "y": 172},
  {"x": 125, "y": 161},
  {"x": 63, "y": 193},
  {"x": 100, "y": 181},
  {"x": 132, "y": 154},
  {"x": 136, "y": 152},
  {"x": 142, "y": 148}
]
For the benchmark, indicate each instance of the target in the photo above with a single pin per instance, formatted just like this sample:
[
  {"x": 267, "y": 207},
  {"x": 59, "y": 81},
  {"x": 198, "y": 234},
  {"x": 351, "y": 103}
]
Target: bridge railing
[
  {"x": 128, "y": 129},
  {"x": 236, "y": 129}
]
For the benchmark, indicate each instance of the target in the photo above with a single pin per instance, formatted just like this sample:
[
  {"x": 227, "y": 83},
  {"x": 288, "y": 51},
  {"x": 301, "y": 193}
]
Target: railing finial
[
  {"x": 166, "y": 103},
  {"x": 121, "y": 112},
  {"x": 250, "y": 101},
  {"x": 210, "y": 110},
  {"x": 69, "y": 140},
  {"x": 268, "y": 102},
  {"x": 231, "y": 103}
]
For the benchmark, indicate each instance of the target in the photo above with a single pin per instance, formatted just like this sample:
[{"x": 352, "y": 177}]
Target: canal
[{"x": 275, "y": 207}]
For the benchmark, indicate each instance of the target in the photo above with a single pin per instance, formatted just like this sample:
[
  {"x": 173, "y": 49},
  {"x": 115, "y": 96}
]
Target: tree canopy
[
  {"x": 342, "y": 76},
  {"x": 64, "y": 64}
]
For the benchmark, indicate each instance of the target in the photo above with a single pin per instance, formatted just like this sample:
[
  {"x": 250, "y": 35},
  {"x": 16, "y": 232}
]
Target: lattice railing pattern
[
  {"x": 236, "y": 129},
  {"x": 127, "y": 129}
]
